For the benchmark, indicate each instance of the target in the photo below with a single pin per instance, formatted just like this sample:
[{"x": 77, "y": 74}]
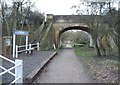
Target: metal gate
[{"x": 18, "y": 67}]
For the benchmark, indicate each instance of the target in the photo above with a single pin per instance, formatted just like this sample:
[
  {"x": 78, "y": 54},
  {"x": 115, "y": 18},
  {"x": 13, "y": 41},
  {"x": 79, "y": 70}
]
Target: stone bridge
[{"x": 62, "y": 23}]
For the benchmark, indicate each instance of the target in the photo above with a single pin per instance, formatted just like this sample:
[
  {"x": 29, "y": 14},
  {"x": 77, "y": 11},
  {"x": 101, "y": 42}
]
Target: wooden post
[
  {"x": 7, "y": 45},
  {"x": 38, "y": 46},
  {"x": 4, "y": 53},
  {"x": 30, "y": 46}
]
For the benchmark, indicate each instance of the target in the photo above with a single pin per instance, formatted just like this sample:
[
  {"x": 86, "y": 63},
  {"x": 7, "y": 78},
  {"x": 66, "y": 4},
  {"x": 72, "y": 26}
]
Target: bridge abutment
[{"x": 91, "y": 41}]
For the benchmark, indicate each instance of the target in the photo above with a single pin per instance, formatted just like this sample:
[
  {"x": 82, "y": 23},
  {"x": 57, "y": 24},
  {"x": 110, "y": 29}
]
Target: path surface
[
  {"x": 30, "y": 62},
  {"x": 68, "y": 46},
  {"x": 64, "y": 68}
]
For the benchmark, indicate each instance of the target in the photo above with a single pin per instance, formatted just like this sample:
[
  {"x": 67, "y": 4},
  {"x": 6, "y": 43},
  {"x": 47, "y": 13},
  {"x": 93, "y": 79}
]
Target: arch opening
[{"x": 81, "y": 28}]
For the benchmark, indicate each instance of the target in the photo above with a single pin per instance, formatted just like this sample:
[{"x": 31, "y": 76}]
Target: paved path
[
  {"x": 30, "y": 62},
  {"x": 64, "y": 68}
]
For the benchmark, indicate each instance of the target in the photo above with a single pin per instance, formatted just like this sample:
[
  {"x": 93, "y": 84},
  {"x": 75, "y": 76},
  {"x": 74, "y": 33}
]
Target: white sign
[
  {"x": 19, "y": 32},
  {"x": 7, "y": 42}
]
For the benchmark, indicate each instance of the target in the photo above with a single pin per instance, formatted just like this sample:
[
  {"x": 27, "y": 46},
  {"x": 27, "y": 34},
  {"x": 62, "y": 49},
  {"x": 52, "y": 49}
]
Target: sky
[{"x": 56, "y": 7}]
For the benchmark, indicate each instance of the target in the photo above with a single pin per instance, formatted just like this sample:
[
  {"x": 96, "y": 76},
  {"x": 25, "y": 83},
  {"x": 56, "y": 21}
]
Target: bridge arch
[{"x": 82, "y": 28}]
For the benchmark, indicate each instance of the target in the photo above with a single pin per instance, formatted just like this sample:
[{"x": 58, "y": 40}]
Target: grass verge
[
  {"x": 104, "y": 69},
  {"x": 85, "y": 52}
]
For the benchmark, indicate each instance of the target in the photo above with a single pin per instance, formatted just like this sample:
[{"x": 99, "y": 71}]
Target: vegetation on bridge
[{"x": 46, "y": 42}]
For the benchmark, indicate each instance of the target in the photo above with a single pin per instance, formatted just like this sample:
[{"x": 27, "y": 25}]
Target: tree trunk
[
  {"x": 118, "y": 27},
  {"x": 0, "y": 43},
  {"x": 102, "y": 48},
  {"x": 97, "y": 49},
  {"x": 96, "y": 45},
  {"x": 0, "y": 33}
]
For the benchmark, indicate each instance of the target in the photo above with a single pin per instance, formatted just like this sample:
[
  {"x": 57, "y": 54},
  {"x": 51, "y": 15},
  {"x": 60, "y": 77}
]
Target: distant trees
[
  {"x": 78, "y": 37},
  {"x": 103, "y": 24},
  {"x": 82, "y": 38},
  {"x": 20, "y": 15},
  {"x": 67, "y": 36}
]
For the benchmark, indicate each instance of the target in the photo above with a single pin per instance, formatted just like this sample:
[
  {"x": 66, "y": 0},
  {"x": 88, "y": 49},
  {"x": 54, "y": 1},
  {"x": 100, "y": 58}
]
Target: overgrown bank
[{"x": 104, "y": 68}]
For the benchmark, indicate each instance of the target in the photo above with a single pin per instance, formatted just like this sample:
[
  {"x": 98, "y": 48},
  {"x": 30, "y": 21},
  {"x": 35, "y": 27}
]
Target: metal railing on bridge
[{"x": 18, "y": 66}]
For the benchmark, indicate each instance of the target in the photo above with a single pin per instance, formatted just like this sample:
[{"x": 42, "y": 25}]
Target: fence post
[
  {"x": 26, "y": 43},
  {"x": 38, "y": 48},
  {"x": 54, "y": 46},
  {"x": 16, "y": 51},
  {"x": 30, "y": 46},
  {"x": 14, "y": 45},
  {"x": 19, "y": 71}
]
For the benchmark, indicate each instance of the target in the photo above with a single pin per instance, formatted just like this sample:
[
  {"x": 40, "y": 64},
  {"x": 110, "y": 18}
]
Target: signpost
[
  {"x": 19, "y": 32},
  {"x": 7, "y": 45}
]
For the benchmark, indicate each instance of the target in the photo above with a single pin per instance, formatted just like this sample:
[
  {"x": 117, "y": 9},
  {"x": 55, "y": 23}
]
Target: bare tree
[
  {"x": 97, "y": 22},
  {"x": 18, "y": 14},
  {"x": 0, "y": 30}
]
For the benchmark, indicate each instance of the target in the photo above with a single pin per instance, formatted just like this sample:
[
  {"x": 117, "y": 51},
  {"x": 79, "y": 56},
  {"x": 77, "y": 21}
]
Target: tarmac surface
[
  {"x": 30, "y": 62},
  {"x": 65, "y": 67}
]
